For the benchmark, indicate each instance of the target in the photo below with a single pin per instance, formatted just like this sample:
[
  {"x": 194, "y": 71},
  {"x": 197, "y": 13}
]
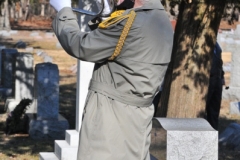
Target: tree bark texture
[{"x": 187, "y": 78}]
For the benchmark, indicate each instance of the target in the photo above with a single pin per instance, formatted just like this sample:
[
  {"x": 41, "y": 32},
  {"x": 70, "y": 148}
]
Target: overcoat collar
[{"x": 150, "y": 4}]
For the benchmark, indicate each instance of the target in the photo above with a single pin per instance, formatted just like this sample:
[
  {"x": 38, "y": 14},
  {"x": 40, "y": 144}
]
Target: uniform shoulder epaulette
[
  {"x": 131, "y": 16},
  {"x": 114, "y": 18}
]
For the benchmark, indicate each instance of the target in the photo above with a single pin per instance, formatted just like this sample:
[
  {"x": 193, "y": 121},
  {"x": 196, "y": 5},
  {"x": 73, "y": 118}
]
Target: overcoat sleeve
[{"x": 96, "y": 46}]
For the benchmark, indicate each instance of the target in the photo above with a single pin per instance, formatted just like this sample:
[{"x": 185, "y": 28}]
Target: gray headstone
[
  {"x": 24, "y": 79},
  {"x": 235, "y": 108},
  {"x": 20, "y": 44},
  {"x": 8, "y": 67},
  {"x": 47, "y": 123},
  {"x": 183, "y": 138},
  {"x": 230, "y": 137},
  {"x": 47, "y": 90},
  {"x": 1, "y": 48}
]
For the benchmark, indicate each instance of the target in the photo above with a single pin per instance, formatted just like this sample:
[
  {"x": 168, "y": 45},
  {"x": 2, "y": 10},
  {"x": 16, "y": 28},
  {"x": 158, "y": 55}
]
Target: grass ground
[{"x": 22, "y": 147}]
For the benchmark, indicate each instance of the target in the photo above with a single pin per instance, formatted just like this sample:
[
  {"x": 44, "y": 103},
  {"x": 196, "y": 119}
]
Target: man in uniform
[{"x": 131, "y": 51}]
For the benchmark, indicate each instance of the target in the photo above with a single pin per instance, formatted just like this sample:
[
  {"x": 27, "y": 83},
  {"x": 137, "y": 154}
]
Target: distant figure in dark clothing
[{"x": 216, "y": 82}]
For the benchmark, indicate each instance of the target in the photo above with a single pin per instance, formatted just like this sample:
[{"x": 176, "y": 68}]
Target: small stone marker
[
  {"x": 230, "y": 137},
  {"x": 20, "y": 44},
  {"x": 235, "y": 108}
]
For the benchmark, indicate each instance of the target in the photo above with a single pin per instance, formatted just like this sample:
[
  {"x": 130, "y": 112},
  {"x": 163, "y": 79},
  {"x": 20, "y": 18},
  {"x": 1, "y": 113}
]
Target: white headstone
[{"x": 185, "y": 138}]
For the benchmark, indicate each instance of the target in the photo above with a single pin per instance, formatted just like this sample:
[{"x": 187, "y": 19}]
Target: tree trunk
[
  {"x": 21, "y": 9},
  {"x": 187, "y": 78},
  {"x": 42, "y": 9},
  {"x": 26, "y": 10},
  {"x": 6, "y": 15}
]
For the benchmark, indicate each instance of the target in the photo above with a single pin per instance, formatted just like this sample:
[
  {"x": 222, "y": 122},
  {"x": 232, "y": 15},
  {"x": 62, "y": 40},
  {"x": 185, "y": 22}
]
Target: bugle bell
[{"x": 99, "y": 13}]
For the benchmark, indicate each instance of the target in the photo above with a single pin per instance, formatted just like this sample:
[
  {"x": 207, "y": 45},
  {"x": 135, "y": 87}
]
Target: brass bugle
[{"x": 99, "y": 13}]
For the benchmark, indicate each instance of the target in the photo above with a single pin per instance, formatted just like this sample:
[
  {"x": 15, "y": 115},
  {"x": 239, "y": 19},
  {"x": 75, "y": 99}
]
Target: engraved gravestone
[
  {"x": 24, "y": 78},
  {"x": 8, "y": 64},
  {"x": 47, "y": 123},
  {"x": 47, "y": 93}
]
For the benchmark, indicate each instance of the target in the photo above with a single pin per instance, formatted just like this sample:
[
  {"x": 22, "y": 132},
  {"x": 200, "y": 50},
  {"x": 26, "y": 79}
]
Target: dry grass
[{"x": 22, "y": 147}]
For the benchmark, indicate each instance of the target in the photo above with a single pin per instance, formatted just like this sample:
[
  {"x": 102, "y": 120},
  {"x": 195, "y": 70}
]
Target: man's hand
[{"x": 60, "y": 4}]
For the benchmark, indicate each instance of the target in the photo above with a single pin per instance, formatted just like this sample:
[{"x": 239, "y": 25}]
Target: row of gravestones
[{"x": 19, "y": 81}]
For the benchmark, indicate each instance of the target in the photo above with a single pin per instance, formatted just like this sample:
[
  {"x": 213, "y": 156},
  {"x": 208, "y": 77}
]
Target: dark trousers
[{"x": 214, "y": 101}]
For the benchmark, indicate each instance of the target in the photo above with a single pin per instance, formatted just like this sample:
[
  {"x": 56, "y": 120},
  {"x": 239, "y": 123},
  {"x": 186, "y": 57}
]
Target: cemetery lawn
[{"x": 22, "y": 147}]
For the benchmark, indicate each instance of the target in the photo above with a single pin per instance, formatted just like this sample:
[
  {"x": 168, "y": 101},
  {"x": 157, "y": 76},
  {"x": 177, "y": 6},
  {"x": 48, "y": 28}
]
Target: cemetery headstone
[
  {"x": 24, "y": 81},
  {"x": 1, "y": 48},
  {"x": 183, "y": 138},
  {"x": 230, "y": 137},
  {"x": 47, "y": 123},
  {"x": 8, "y": 62},
  {"x": 20, "y": 44}
]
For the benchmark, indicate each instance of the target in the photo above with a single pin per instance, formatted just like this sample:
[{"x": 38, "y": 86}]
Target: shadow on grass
[
  {"x": 67, "y": 102},
  {"x": 225, "y": 122},
  {"x": 21, "y": 144}
]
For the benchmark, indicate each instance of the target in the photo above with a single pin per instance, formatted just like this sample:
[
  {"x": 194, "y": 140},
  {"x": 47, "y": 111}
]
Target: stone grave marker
[
  {"x": 8, "y": 62},
  {"x": 47, "y": 123},
  {"x": 230, "y": 137},
  {"x": 1, "y": 48},
  {"x": 24, "y": 81},
  {"x": 235, "y": 108},
  {"x": 183, "y": 138}
]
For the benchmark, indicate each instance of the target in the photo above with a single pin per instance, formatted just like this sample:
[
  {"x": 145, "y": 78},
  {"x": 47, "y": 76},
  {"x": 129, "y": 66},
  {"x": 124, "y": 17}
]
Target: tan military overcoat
[{"x": 118, "y": 111}]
